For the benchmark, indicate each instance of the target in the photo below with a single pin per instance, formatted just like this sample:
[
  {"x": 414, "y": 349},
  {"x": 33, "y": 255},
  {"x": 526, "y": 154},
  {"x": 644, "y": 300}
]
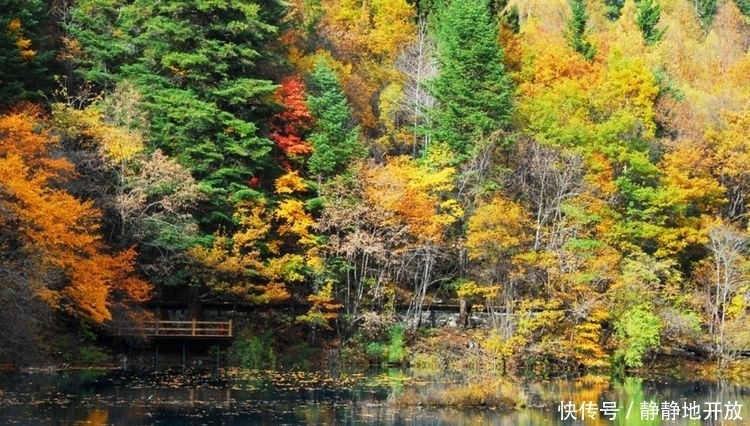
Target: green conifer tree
[
  {"x": 196, "y": 64},
  {"x": 334, "y": 137},
  {"x": 577, "y": 30},
  {"x": 647, "y": 17},
  {"x": 24, "y": 69},
  {"x": 98, "y": 29},
  {"x": 706, "y": 11},
  {"x": 473, "y": 90}
]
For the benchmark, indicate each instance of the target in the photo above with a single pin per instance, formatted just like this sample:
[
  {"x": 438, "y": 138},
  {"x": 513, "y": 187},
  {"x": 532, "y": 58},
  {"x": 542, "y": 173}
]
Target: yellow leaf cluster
[
  {"x": 287, "y": 268},
  {"x": 392, "y": 26},
  {"x": 324, "y": 307},
  {"x": 270, "y": 294},
  {"x": 472, "y": 290},
  {"x": 254, "y": 221},
  {"x": 380, "y": 27},
  {"x": 116, "y": 143},
  {"x": 290, "y": 183},
  {"x": 23, "y": 44},
  {"x": 14, "y": 26},
  {"x": 689, "y": 168},
  {"x": 731, "y": 144},
  {"x": 418, "y": 196},
  {"x": 255, "y": 263},
  {"x": 295, "y": 221},
  {"x": 497, "y": 228}
]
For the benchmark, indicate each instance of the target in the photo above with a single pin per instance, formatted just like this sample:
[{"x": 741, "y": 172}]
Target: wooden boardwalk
[{"x": 182, "y": 329}]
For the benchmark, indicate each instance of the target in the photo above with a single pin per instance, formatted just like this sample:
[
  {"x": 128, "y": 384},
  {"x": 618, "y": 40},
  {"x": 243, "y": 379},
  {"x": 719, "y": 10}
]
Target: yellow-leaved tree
[{"x": 417, "y": 200}]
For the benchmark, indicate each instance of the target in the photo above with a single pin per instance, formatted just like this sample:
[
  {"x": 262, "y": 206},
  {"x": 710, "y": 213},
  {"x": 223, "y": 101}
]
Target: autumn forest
[{"x": 578, "y": 168}]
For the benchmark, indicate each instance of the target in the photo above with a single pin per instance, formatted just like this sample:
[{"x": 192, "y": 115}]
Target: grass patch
[
  {"x": 91, "y": 355},
  {"x": 477, "y": 392}
]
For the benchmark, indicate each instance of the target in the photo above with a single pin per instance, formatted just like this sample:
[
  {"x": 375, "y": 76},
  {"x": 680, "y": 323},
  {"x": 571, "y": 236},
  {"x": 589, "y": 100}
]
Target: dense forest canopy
[{"x": 581, "y": 166}]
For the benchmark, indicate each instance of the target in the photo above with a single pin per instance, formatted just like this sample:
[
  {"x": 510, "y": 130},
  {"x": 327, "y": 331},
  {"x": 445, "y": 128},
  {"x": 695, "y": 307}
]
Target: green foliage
[
  {"x": 196, "y": 65},
  {"x": 705, "y": 10},
  {"x": 376, "y": 350},
  {"x": 396, "y": 350},
  {"x": 649, "y": 13},
  {"x": 334, "y": 137},
  {"x": 613, "y": 9},
  {"x": 96, "y": 48},
  {"x": 744, "y": 6},
  {"x": 87, "y": 353},
  {"x": 251, "y": 350},
  {"x": 577, "y": 30},
  {"x": 91, "y": 355},
  {"x": 391, "y": 352},
  {"x": 639, "y": 330},
  {"x": 473, "y": 90},
  {"x": 24, "y": 71}
]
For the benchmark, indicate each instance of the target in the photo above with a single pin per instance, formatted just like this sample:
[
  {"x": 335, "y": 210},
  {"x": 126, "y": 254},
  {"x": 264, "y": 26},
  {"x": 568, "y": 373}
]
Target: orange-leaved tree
[{"x": 44, "y": 222}]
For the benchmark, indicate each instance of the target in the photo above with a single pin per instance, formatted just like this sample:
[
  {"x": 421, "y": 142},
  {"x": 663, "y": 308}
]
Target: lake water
[{"x": 241, "y": 397}]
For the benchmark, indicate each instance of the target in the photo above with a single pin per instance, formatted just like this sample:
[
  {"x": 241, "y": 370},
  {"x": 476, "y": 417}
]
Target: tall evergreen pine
[
  {"x": 577, "y": 30},
  {"x": 196, "y": 64},
  {"x": 24, "y": 71},
  {"x": 648, "y": 16},
  {"x": 334, "y": 137},
  {"x": 473, "y": 90}
]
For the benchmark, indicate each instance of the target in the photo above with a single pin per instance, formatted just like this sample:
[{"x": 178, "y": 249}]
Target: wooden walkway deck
[{"x": 182, "y": 329}]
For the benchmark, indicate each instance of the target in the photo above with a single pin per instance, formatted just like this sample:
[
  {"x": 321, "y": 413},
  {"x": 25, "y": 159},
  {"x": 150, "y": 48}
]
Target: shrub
[
  {"x": 253, "y": 351},
  {"x": 391, "y": 352}
]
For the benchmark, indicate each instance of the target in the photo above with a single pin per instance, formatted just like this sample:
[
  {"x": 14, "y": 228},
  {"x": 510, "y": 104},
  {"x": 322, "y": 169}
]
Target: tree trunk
[{"x": 463, "y": 314}]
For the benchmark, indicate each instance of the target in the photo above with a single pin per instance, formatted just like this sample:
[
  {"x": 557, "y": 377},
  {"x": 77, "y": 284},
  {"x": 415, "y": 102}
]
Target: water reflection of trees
[{"x": 258, "y": 398}]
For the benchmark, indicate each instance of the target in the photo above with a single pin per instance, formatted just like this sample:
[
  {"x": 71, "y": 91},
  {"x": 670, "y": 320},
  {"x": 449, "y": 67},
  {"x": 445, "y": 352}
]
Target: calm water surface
[{"x": 238, "y": 397}]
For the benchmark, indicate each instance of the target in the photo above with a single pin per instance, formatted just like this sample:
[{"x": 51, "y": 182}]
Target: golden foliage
[
  {"x": 23, "y": 44},
  {"x": 58, "y": 227},
  {"x": 497, "y": 228},
  {"x": 690, "y": 168},
  {"x": 116, "y": 143},
  {"x": 324, "y": 307},
  {"x": 295, "y": 221},
  {"x": 290, "y": 183},
  {"x": 417, "y": 195},
  {"x": 470, "y": 290},
  {"x": 255, "y": 263}
]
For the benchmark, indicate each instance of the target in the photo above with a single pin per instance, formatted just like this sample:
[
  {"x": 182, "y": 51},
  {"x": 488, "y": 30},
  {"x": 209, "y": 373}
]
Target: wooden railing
[{"x": 194, "y": 328}]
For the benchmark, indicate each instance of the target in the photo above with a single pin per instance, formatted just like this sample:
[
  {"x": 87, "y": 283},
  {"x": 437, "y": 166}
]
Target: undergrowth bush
[
  {"x": 393, "y": 351},
  {"x": 250, "y": 350}
]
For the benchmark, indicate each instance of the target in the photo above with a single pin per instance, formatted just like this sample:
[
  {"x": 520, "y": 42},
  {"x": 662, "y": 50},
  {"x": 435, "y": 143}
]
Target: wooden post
[
  {"x": 229, "y": 333},
  {"x": 193, "y": 332}
]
